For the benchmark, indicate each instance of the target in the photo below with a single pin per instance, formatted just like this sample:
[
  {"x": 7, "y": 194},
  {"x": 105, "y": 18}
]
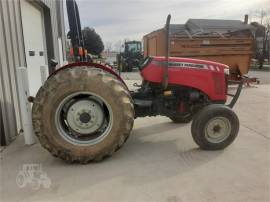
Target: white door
[{"x": 32, "y": 21}]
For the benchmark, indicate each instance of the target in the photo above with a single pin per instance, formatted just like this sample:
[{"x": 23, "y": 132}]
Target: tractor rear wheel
[
  {"x": 82, "y": 114},
  {"x": 215, "y": 127}
]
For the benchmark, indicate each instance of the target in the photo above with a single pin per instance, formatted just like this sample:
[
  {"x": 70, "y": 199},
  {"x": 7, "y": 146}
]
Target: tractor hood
[{"x": 206, "y": 76}]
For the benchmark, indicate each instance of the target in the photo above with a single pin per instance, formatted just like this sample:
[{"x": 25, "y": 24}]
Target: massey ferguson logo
[{"x": 187, "y": 65}]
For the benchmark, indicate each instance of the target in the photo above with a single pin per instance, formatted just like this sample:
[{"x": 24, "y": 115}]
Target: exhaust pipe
[{"x": 166, "y": 65}]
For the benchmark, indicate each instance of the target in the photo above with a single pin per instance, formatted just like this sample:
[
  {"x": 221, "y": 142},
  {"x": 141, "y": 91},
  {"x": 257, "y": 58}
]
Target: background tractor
[
  {"x": 85, "y": 112},
  {"x": 132, "y": 56}
]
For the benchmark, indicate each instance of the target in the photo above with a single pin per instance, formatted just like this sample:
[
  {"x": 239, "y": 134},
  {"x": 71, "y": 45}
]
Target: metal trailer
[{"x": 233, "y": 49}]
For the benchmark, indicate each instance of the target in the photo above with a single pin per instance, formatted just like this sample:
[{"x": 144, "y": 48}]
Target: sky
[{"x": 117, "y": 20}]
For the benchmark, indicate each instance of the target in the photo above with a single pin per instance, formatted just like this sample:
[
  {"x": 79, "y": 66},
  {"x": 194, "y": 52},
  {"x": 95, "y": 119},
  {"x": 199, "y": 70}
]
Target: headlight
[{"x": 227, "y": 71}]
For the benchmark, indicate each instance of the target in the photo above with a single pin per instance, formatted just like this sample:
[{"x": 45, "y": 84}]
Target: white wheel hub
[
  {"x": 217, "y": 129},
  {"x": 85, "y": 116}
]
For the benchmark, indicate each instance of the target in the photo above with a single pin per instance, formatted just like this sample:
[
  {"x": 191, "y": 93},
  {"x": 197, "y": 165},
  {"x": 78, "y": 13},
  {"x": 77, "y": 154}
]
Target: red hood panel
[{"x": 206, "y": 76}]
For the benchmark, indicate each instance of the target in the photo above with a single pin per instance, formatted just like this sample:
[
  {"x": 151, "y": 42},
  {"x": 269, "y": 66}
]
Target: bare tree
[
  {"x": 262, "y": 35},
  {"x": 265, "y": 43},
  {"x": 108, "y": 46},
  {"x": 118, "y": 46}
]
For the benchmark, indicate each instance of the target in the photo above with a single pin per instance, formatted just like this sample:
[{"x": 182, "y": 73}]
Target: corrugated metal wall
[{"x": 12, "y": 55}]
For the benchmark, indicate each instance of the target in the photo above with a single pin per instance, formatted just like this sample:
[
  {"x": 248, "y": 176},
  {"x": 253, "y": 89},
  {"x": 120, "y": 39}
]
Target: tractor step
[{"x": 142, "y": 103}]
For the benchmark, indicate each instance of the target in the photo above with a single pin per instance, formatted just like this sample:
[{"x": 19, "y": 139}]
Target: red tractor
[{"x": 85, "y": 112}]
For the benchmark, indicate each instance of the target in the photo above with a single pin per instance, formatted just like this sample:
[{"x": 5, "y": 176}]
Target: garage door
[{"x": 34, "y": 36}]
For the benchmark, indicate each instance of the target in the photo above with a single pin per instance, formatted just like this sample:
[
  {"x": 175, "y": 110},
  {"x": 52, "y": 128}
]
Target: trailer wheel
[
  {"x": 82, "y": 114},
  {"x": 181, "y": 119},
  {"x": 215, "y": 127}
]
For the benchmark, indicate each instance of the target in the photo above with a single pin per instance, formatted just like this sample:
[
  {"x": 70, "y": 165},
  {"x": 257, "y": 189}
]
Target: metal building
[{"x": 31, "y": 34}]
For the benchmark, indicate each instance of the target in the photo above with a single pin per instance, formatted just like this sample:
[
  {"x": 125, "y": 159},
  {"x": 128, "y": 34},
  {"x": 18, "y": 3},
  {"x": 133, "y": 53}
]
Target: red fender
[{"x": 106, "y": 68}]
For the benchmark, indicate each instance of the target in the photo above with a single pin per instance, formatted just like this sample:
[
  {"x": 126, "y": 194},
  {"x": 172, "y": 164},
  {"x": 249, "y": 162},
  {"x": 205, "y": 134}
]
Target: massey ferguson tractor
[{"x": 85, "y": 112}]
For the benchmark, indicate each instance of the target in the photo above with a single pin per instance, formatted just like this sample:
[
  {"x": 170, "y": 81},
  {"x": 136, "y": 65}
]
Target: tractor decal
[
  {"x": 187, "y": 65},
  {"x": 181, "y": 64}
]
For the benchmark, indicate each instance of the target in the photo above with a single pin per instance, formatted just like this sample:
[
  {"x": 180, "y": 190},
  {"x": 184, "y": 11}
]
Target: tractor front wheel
[
  {"x": 82, "y": 114},
  {"x": 215, "y": 127}
]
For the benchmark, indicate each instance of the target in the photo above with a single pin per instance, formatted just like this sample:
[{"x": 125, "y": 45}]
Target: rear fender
[{"x": 106, "y": 68}]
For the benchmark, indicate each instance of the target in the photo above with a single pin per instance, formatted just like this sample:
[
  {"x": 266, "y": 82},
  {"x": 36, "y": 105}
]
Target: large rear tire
[
  {"x": 82, "y": 114},
  {"x": 215, "y": 127}
]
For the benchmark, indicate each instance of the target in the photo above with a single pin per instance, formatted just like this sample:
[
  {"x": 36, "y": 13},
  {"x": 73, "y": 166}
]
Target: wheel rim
[
  {"x": 83, "y": 118},
  {"x": 217, "y": 129},
  {"x": 20, "y": 180}
]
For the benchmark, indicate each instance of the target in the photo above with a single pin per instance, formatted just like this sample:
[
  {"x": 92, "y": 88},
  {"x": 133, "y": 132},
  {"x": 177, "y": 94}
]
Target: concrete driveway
[{"x": 160, "y": 162}]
